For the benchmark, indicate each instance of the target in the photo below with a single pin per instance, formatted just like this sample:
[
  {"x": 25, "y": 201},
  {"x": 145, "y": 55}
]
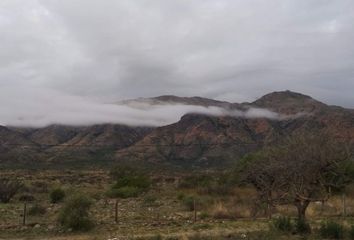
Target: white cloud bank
[
  {"x": 233, "y": 50},
  {"x": 39, "y": 107}
]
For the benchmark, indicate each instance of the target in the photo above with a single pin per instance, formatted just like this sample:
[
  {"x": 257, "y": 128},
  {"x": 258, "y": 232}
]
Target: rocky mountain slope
[
  {"x": 207, "y": 140},
  {"x": 194, "y": 140}
]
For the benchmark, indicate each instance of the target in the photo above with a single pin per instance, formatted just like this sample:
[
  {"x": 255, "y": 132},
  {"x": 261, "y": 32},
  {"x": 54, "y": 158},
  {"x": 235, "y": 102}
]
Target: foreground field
[{"x": 164, "y": 212}]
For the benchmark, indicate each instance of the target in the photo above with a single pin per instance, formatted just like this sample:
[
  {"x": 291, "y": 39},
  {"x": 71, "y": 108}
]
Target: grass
[{"x": 159, "y": 211}]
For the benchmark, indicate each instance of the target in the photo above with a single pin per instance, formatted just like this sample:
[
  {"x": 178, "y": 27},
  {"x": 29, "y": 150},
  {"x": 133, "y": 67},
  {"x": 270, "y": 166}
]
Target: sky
[{"x": 56, "y": 54}]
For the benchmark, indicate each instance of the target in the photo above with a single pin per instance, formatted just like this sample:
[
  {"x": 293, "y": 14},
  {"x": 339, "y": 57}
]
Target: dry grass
[
  {"x": 167, "y": 216},
  {"x": 219, "y": 211}
]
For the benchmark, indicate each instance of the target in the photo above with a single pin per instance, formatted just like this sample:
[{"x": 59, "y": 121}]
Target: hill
[
  {"x": 195, "y": 140},
  {"x": 217, "y": 141}
]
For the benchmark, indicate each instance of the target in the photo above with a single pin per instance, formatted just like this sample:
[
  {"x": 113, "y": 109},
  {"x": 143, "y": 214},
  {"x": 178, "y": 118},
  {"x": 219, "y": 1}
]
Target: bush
[
  {"x": 129, "y": 182},
  {"x": 37, "y": 210},
  {"x": 150, "y": 200},
  {"x": 156, "y": 237},
  {"x": 26, "y": 198},
  {"x": 142, "y": 182},
  {"x": 57, "y": 195},
  {"x": 40, "y": 187},
  {"x": 203, "y": 215},
  {"x": 128, "y": 176},
  {"x": 181, "y": 196},
  {"x": 351, "y": 232},
  {"x": 8, "y": 189},
  {"x": 283, "y": 224},
  {"x": 332, "y": 230},
  {"x": 188, "y": 202},
  {"x": 124, "y": 192},
  {"x": 75, "y": 213},
  {"x": 302, "y": 227},
  {"x": 220, "y": 211},
  {"x": 197, "y": 181},
  {"x": 207, "y": 184}
]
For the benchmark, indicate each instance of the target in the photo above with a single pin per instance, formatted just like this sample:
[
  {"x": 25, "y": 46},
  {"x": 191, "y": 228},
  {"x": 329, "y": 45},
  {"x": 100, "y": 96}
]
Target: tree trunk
[
  {"x": 301, "y": 208},
  {"x": 269, "y": 205},
  {"x": 344, "y": 205}
]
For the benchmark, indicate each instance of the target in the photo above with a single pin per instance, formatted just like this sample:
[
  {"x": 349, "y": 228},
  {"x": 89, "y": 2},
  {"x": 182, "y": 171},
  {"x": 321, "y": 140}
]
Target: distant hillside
[
  {"x": 195, "y": 140},
  {"x": 205, "y": 140}
]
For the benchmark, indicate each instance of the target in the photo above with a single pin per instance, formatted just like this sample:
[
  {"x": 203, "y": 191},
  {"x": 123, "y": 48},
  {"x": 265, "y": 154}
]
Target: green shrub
[
  {"x": 216, "y": 184},
  {"x": 124, "y": 192},
  {"x": 156, "y": 237},
  {"x": 128, "y": 176},
  {"x": 142, "y": 182},
  {"x": 302, "y": 227},
  {"x": 37, "y": 209},
  {"x": 8, "y": 189},
  {"x": 351, "y": 232},
  {"x": 203, "y": 215},
  {"x": 181, "y": 196},
  {"x": 332, "y": 230},
  {"x": 282, "y": 223},
  {"x": 129, "y": 182},
  {"x": 196, "y": 181},
  {"x": 75, "y": 213},
  {"x": 57, "y": 195},
  {"x": 188, "y": 202},
  {"x": 150, "y": 200}
]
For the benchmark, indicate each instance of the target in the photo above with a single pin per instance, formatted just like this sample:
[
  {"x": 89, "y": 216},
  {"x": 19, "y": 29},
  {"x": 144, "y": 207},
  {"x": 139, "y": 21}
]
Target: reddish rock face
[
  {"x": 206, "y": 140},
  {"x": 194, "y": 140}
]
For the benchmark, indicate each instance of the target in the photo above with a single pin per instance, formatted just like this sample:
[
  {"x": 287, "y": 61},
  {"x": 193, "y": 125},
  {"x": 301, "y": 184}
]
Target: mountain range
[{"x": 195, "y": 140}]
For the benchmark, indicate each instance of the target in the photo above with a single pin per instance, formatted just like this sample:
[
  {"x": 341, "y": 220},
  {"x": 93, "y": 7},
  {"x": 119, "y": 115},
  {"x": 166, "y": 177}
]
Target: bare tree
[
  {"x": 8, "y": 189},
  {"x": 302, "y": 169}
]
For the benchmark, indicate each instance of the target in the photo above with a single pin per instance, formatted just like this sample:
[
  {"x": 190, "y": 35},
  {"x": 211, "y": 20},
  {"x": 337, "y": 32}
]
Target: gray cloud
[
  {"x": 51, "y": 107},
  {"x": 229, "y": 50}
]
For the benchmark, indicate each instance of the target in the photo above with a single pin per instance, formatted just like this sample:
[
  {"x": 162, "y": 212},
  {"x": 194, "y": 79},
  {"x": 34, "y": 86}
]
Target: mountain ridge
[{"x": 196, "y": 139}]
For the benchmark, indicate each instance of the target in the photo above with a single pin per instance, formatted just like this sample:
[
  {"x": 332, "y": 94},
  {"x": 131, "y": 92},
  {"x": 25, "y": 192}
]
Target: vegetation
[
  {"x": 331, "y": 230},
  {"x": 8, "y": 189},
  {"x": 299, "y": 171},
  {"x": 302, "y": 226},
  {"x": 75, "y": 213},
  {"x": 196, "y": 204},
  {"x": 36, "y": 210},
  {"x": 57, "y": 195},
  {"x": 283, "y": 224},
  {"x": 159, "y": 211},
  {"x": 129, "y": 182},
  {"x": 188, "y": 202},
  {"x": 351, "y": 232},
  {"x": 216, "y": 184}
]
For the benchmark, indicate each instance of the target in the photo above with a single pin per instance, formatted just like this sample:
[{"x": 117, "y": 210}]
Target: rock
[
  {"x": 37, "y": 226},
  {"x": 50, "y": 227}
]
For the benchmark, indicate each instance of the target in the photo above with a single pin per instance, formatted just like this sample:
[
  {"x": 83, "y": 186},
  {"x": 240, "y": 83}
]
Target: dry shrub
[
  {"x": 244, "y": 193},
  {"x": 241, "y": 206},
  {"x": 39, "y": 187},
  {"x": 287, "y": 210},
  {"x": 220, "y": 211},
  {"x": 336, "y": 205},
  {"x": 242, "y": 211}
]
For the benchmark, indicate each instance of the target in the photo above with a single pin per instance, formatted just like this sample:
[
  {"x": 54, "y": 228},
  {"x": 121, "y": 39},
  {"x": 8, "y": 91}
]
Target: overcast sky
[{"x": 229, "y": 50}]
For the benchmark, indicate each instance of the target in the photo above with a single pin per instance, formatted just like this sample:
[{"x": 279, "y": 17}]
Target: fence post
[
  {"x": 116, "y": 212},
  {"x": 195, "y": 210},
  {"x": 24, "y": 214}
]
